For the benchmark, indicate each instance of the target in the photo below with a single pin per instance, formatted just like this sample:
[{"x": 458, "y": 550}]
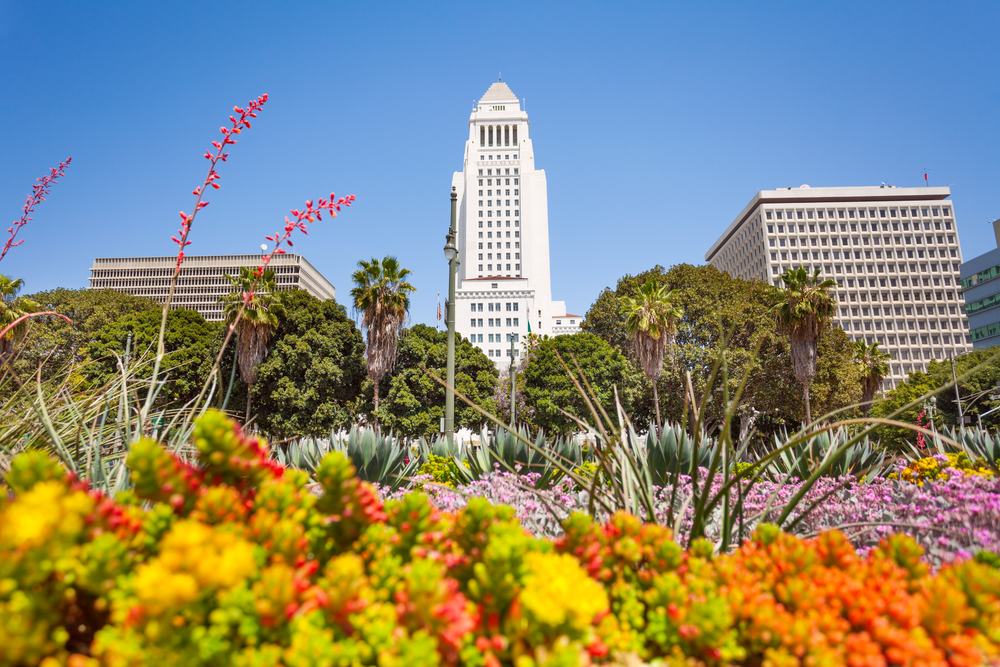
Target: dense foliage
[
  {"x": 234, "y": 562},
  {"x": 59, "y": 344},
  {"x": 310, "y": 380},
  {"x": 189, "y": 342},
  {"x": 722, "y": 313},
  {"x": 978, "y": 372},
  {"x": 549, "y": 389},
  {"x": 413, "y": 403}
]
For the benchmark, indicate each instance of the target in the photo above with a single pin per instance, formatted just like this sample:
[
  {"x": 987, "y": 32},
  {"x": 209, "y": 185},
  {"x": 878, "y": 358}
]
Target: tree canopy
[
  {"x": 716, "y": 306},
  {"x": 549, "y": 388},
  {"x": 414, "y": 401},
  {"x": 189, "y": 342},
  {"x": 314, "y": 370}
]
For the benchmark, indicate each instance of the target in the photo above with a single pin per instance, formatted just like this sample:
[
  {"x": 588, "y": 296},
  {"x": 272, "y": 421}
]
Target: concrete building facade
[
  {"x": 894, "y": 253},
  {"x": 504, "y": 288},
  {"x": 202, "y": 279},
  {"x": 981, "y": 288}
]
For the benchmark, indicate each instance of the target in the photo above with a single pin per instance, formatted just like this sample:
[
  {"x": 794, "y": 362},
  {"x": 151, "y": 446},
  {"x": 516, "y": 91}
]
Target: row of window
[
  {"x": 987, "y": 331},
  {"x": 983, "y": 304},
  {"x": 489, "y": 267},
  {"x": 871, "y": 267},
  {"x": 489, "y": 183},
  {"x": 489, "y": 172},
  {"x": 924, "y": 212},
  {"x": 478, "y": 307},
  {"x": 899, "y": 310},
  {"x": 499, "y": 353},
  {"x": 912, "y": 325},
  {"x": 489, "y": 214},
  {"x": 489, "y": 246},
  {"x": 489, "y": 256},
  {"x": 489, "y": 202},
  {"x": 922, "y": 339},
  {"x": 860, "y": 268},
  {"x": 508, "y": 132},
  {"x": 493, "y": 322},
  {"x": 981, "y": 277},
  {"x": 498, "y": 338},
  {"x": 865, "y": 240},
  {"x": 489, "y": 235},
  {"x": 864, "y": 227}
]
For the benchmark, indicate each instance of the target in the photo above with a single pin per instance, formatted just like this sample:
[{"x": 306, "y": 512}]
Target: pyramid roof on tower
[{"x": 498, "y": 92}]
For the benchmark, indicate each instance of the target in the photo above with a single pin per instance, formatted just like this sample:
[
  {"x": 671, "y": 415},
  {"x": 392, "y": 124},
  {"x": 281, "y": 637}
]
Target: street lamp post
[
  {"x": 513, "y": 386},
  {"x": 451, "y": 254}
]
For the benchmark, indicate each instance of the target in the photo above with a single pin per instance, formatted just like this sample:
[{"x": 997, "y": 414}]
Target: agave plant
[
  {"x": 863, "y": 459},
  {"x": 380, "y": 459},
  {"x": 673, "y": 452},
  {"x": 508, "y": 450}
]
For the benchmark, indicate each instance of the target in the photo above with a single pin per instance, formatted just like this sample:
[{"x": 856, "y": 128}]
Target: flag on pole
[
  {"x": 925, "y": 178},
  {"x": 439, "y": 306}
]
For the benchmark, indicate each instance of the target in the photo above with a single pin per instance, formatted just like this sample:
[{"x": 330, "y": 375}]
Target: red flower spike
[{"x": 38, "y": 193}]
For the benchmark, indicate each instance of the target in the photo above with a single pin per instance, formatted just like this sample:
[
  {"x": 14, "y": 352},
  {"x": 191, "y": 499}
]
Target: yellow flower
[
  {"x": 43, "y": 512},
  {"x": 558, "y": 592},
  {"x": 194, "y": 559}
]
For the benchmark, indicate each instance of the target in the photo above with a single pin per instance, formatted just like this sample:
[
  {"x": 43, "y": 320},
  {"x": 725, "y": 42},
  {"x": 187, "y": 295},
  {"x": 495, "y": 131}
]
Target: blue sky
[{"x": 655, "y": 122}]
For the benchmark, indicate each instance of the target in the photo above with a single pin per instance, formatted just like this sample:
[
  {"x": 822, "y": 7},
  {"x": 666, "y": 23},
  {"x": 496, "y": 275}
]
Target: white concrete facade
[
  {"x": 503, "y": 233},
  {"x": 894, "y": 253},
  {"x": 202, "y": 279}
]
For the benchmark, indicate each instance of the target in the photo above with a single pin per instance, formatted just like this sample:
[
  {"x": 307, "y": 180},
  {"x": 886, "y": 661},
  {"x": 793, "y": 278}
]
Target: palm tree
[
  {"x": 12, "y": 307},
  {"x": 258, "y": 323},
  {"x": 651, "y": 324},
  {"x": 803, "y": 308},
  {"x": 382, "y": 296},
  {"x": 874, "y": 367}
]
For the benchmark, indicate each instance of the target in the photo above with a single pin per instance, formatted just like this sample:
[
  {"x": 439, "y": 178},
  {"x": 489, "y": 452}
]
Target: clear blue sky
[{"x": 655, "y": 122}]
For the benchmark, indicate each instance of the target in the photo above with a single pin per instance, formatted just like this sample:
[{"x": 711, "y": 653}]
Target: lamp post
[
  {"x": 513, "y": 386},
  {"x": 451, "y": 254}
]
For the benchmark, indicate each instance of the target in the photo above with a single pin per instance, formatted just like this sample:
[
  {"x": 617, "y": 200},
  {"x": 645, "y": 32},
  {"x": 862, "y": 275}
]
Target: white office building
[
  {"x": 503, "y": 233},
  {"x": 202, "y": 279},
  {"x": 894, "y": 253}
]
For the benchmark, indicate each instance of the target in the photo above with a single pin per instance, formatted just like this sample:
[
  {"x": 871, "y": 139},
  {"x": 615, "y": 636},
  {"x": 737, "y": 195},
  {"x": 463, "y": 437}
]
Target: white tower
[{"x": 503, "y": 233}]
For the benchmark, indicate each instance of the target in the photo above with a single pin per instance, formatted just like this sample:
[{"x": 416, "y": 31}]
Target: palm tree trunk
[
  {"x": 805, "y": 388},
  {"x": 656, "y": 400},
  {"x": 376, "y": 404},
  {"x": 249, "y": 391}
]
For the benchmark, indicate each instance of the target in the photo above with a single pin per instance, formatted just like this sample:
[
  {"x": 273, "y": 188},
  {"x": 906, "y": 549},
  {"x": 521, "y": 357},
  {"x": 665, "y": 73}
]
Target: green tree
[
  {"x": 414, "y": 401},
  {"x": 874, "y": 367},
  {"x": 978, "y": 373},
  {"x": 549, "y": 388},
  {"x": 256, "y": 326},
  {"x": 311, "y": 379},
  {"x": 12, "y": 307},
  {"x": 382, "y": 295},
  {"x": 730, "y": 317},
  {"x": 190, "y": 350},
  {"x": 651, "y": 325},
  {"x": 801, "y": 310}
]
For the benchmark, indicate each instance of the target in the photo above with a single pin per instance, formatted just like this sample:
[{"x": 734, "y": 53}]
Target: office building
[
  {"x": 504, "y": 288},
  {"x": 202, "y": 279},
  {"x": 981, "y": 288},
  {"x": 894, "y": 253}
]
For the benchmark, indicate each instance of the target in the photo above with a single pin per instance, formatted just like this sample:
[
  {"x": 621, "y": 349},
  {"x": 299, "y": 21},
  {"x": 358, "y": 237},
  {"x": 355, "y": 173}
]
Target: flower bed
[
  {"x": 952, "y": 513},
  {"x": 234, "y": 562}
]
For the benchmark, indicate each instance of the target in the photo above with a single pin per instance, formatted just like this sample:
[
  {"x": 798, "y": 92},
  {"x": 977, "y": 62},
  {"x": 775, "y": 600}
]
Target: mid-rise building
[
  {"x": 981, "y": 288},
  {"x": 202, "y": 279},
  {"x": 894, "y": 253},
  {"x": 504, "y": 288}
]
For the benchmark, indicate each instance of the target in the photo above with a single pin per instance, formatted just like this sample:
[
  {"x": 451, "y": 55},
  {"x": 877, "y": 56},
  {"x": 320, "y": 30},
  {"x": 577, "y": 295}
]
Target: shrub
[
  {"x": 231, "y": 560},
  {"x": 937, "y": 468}
]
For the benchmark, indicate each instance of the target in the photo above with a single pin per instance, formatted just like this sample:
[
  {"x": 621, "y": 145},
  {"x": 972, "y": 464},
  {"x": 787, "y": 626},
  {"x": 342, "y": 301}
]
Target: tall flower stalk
[
  {"x": 237, "y": 126},
  {"x": 38, "y": 193}
]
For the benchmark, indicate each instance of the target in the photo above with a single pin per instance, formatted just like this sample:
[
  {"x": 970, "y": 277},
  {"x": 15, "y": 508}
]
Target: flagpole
[{"x": 437, "y": 321}]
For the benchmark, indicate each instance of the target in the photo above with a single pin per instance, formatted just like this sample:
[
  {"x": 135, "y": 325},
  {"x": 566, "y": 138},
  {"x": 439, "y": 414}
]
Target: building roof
[
  {"x": 493, "y": 278},
  {"x": 498, "y": 92},
  {"x": 566, "y": 315}
]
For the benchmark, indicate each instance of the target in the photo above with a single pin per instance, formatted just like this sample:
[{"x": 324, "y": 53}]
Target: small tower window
[
  {"x": 491, "y": 135},
  {"x": 506, "y": 135},
  {"x": 482, "y": 135},
  {"x": 515, "y": 137}
]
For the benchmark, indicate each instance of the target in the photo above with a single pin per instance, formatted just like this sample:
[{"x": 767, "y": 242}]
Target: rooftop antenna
[{"x": 499, "y": 78}]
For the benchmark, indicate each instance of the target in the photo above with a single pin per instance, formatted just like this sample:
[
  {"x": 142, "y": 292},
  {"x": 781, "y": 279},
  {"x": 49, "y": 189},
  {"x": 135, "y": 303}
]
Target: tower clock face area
[{"x": 504, "y": 284}]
